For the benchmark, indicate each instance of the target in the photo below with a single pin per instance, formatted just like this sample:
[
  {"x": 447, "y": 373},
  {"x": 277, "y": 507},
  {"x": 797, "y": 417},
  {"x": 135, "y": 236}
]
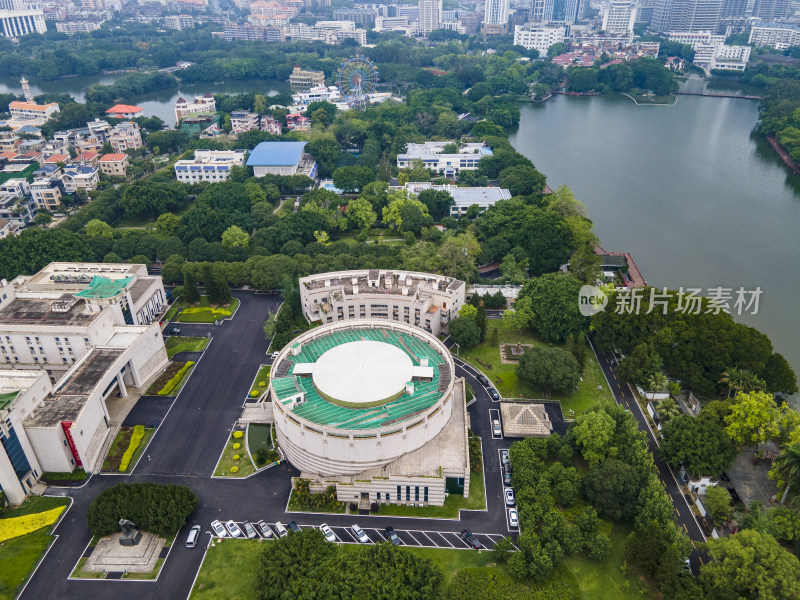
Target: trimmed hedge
[
  {"x": 157, "y": 508},
  {"x": 480, "y": 583},
  {"x": 136, "y": 439},
  {"x": 176, "y": 379},
  {"x": 18, "y": 526}
]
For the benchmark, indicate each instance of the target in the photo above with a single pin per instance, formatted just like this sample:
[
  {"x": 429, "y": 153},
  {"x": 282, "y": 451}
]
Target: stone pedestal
[{"x": 110, "y": 555}]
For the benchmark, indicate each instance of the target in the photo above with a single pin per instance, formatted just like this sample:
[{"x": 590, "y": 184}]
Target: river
[
  {"x": 160, "y": 103},
  {"x": 689, "y": 190}
]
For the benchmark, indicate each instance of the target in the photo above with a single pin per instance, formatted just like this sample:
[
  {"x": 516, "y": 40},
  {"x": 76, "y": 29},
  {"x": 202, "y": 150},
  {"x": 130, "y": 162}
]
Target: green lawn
[
  {"x": 605, "y": 580},
  {"x": 328, "y": 508},
  {"x": 229, "y": 571},
  {"x": 452, "y": 561},
  {"x": 261, "y": 377},
  {"x": 76, "y": 475},
  {"x": 175, "y": 344},
  {"x": 452, "y": 504},
  {"x": 205, "y": 313},
  {"x": 486, "y": 357},
  {"x": 226, "y": 460},
  {"x": 19, "y": 556}
]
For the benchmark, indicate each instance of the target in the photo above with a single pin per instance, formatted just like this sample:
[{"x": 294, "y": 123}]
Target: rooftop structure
[
  {"x": 524, "y": 419},
  {"x": 433, "y": 157},
  {"x": 208, "y": 165},
  {"x": 301, "y": 78},
  {"x": 464, "y": 197},
  {"x": 774, "y": 35},
  {"x": 124, "y": 111},
  {"x": 200, "y": 105},
  {"x": 114, "y": 164},
  {"x": 371, "y": 406},
  {"x": 281, "y": 158},
  {"x": 18, "y": 22},
  {"x": 538, "y": 37},
  {"x": 29, "y": 113},
  {"x": 421, "y": 299}
]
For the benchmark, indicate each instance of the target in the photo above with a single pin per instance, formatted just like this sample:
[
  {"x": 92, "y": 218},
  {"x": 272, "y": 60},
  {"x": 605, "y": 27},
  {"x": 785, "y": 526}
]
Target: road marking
[
  {"x": 441, "y": 536},
  {"x": 684, "y": 526},
  {"x": 693, "y": 546},
  {"x": 657, "y": 469},
  {"x": 380, "y": 534},
  {"x": 700, "y": 558},
  {"x": 415, "y": 539},
  {"x": 671, "y": 498},
  {"x": 614, "y": 376},
  {"x": 352, "y": 537}
]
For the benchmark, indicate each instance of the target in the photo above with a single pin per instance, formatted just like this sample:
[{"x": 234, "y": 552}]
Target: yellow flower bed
[
  {"x": 17, "y": 526},
  {"x": 176, "y": 379},
  {"x": 215, "y": 312},
  {"x": 136, "y": 439}
]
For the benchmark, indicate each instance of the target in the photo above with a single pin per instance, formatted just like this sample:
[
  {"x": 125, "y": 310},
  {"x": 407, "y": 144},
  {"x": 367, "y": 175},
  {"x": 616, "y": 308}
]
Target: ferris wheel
[{"x": 357, "y": 78}]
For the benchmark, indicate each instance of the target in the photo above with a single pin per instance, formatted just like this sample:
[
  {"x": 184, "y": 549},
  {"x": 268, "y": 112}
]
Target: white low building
[
  {"x": 208, "y": 165},
  {"x": 29, "y": 113},
  {"x": 538, "y": 37},
  {"x": 68, "y": 350},
  {"x": 80, "y": 177},
  {"x": 774, "y": 35},
  {"x": 281, "y": 158},
  {"x": 463, "y": 197},
  {"x": 435, "y": 159},
  {"x": 425, "y": 300}
]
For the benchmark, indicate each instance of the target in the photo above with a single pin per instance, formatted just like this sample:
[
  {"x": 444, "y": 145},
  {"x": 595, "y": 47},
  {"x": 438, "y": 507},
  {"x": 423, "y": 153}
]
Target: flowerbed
[
  {"x": 136, "y": 439},
  {"x": 17, "y": 526},
  {"x": 176, "y": 379}
]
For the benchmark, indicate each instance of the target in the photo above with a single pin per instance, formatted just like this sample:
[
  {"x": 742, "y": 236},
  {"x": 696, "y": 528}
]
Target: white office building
[
  {"x": 463, "y": 197},
  {"x": 538, "y": 38},
  {"x": 496, "y": 12},
  {"x": 16, "y": 23},
  {"x": 73, "y": 338},
  {"x": 620, "y": 16},
  {"x": 774, "y": 35},
  {"x": 433, "y": 158},
  {"x": 429, "y": 15},
  {"x": 208, "y": 165}
]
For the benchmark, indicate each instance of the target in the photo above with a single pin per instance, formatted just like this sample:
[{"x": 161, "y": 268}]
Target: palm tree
[
  {"x": 789, "y": 467},
  {"x": 656, "y": 382},
  {"x": 668, "y": 409},
  {"x": 741, "y": 380}
]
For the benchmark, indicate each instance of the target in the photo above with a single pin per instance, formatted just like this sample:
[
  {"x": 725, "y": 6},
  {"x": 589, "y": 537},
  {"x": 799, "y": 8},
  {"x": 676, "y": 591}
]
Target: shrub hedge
[
  {"x": 176, "y": 379},
  {"x": 136, "y": 439},
  {"x": 479, "y": 583},
  {"x": 17, "y": 526},
  {"x": 157, "y": 508}
]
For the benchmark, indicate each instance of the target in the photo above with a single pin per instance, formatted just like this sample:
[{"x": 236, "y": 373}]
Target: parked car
[
  {"x": 275, "y": 355},
  {"x": 504, "y": 457},
  {"x": 513, "y": 517},
  {"x": 391, "y": 534},
  {"x": 687, "y": 566},
  {"x": 510, "y": 501},
  {"x": 482, "y": 380},
  {"x": 280, "y": 529},
  {"x": 265, "y": 530},
  {"x": 496, "y": 429},
  {"x": 194, "y": 533},
  {"x": 327, "y": 532},
  {"x": 233, "y": 529},
  {"x": 360, "y": 535},
  {"x": 249, "y": 530},
  {"x": 470, "y": 539},
  {"x": 175, "y": 331},
  {"x": 494, "y": 394},
  {"x": 219, "y": 530},
  {"x": 507, "y": 477},
  {"x": 294, "y": 527}
]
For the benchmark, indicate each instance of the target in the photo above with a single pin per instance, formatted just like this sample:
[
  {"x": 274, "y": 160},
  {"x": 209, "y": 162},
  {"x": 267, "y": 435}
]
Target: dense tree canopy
[{"x": 701, "y": 444}]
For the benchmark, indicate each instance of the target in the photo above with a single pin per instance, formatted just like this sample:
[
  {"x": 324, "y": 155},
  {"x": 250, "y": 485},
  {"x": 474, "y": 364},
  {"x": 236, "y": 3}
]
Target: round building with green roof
[{"x": 353, "y": 396}]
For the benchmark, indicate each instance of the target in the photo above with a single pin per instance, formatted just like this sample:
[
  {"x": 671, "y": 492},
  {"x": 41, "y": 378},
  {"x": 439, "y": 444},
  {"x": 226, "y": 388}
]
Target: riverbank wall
[{"x": 783, "y": 153}]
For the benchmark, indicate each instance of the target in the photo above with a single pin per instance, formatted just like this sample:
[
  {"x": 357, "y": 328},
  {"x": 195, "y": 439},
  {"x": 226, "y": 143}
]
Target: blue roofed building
[{"x": 282, "y": 158}]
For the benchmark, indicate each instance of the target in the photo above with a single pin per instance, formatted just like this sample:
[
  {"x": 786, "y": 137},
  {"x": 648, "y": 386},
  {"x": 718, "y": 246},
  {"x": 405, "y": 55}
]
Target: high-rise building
[
  {"x": 429, "y": 15},
  {"x": 564, "y": 12},
  {"x": 496, "y": 12},
  {"x": 538, "y": 38},
  {"x": 732, "y": 9},
  {"x": 644, "y": 11},
  {"x": 619, "y": 16},
  {"x": 771, "y": 10},
  {"x": 16, "y": 23},
  {"x": 687, "y": 15}
]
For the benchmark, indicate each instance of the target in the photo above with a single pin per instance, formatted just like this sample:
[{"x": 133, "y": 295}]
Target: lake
[
  {"x": 160, "y": 103},
  {"x": 689, "y": 190}
]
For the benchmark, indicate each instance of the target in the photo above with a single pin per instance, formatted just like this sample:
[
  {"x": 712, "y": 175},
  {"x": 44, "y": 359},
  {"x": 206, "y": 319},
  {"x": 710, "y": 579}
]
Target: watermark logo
[{"x": 591, "y": 300}]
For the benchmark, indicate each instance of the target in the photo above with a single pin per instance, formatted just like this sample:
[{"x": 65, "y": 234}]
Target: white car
[
  {"x": 265, "y": 530},
  {"x": 233, "y": 529},
  {"x": 280, "y": 529},
  {"x": 513, "y": 517},
  {"x": 219, "y": 530},
  {"x": 327, "y": 532},
  {"x": 360, "y": 535},
  {"x": 510, "y": 500}
]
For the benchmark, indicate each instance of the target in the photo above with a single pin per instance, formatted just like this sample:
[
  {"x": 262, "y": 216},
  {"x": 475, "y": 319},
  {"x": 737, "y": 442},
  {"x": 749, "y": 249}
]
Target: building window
[
  {"x": 416, "y": 493},
  {"x": 426, "y": 494},
  {"x": 408, "y": 493},
  {"x": 398, "y": 492},
  {"x": 378, "y": 496}
]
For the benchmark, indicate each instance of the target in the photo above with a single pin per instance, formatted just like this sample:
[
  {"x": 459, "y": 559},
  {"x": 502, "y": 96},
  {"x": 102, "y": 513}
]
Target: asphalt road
[
  {"x": 624, "y": 396},
  {"x": 185, "y": 450}
]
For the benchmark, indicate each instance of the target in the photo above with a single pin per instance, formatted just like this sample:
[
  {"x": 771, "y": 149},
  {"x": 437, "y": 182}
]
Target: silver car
[
  {"x": 233, "y": 529},
  {"x": 360, "y": 535},
  {"x": 219, "y": 530},
  {"x": 249, "y": 530}
]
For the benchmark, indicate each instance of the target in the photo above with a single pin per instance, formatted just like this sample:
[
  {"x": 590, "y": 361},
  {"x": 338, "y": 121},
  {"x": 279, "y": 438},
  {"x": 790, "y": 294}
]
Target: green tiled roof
[
  {"x": 319, "y": 410},
  {"x": 102, "y": 287},
  {"x": 7, "y": 398}
]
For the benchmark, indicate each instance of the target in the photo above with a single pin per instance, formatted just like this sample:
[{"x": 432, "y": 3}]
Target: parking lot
[{"x": 408, "y": 537}]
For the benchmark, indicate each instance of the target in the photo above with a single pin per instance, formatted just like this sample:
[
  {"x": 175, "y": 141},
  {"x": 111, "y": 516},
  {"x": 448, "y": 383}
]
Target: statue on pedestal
[{"x": 130, "y": 535}]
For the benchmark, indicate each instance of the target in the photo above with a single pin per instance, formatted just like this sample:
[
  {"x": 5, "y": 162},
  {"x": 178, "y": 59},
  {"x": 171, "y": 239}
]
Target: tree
[
  {"x": 640, "y": 365},
  {"x": 437, "y": 201},
  {"x": 546, "y": 239},
  {"x": 360, "y": 214},
  {"x": 97, "y": 228},
  {"x": 750, "y": 565},
  {"x": 668, "y": 409},
  {"x": 234, "y": 237},
  {"x": 353, "y": 179},
  {"x": 150, "y": 197},
  {"x": 190, "y": 294},
  {"x": 593, "y": 432},
  {"x": 779, "y": 376},
  {"x": 549, "y": 369},
  {"x": 753, "y": 419},
  {"x": 327, "y": 152},
  {"x": 701, "y": 444},
  {"x": 581, "y": 79},
  {"x": 657, "y": 382},
  {"x": 406, "y": 213},
  {"x": 456, "y": 256},
  {"x": 43, "y": 218},
  {"x": 502, "y": 549},
  {"x": 522, "y": 180},
  {"x": 167, "y": 224},
  {"x": 465, "y": 332},
  {"x": 554, "y": 306},
  {"x": 468, "y": 312},
  {"x": 787, "y": 467},
  {"x": 612, "y": 488},
  {"x": 740, "y": 380},
  {"x": 718, "y": 501}
]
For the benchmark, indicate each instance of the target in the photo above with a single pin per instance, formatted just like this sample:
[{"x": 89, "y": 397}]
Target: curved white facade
[{"x": 331, "y": 451}]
